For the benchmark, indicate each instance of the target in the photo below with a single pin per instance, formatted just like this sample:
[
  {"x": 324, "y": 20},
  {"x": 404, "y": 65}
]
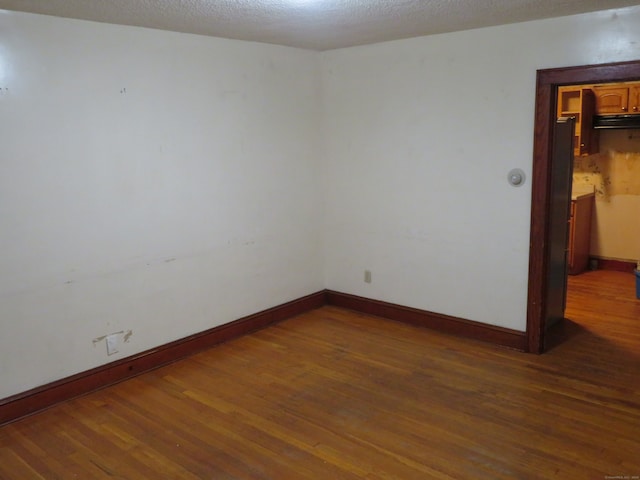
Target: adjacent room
[{"x": 295, "y": 239}]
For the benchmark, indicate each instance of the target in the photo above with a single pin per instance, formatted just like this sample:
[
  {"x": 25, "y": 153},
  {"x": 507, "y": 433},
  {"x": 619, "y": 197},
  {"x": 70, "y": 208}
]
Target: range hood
[{"x": 616, "y": 121}]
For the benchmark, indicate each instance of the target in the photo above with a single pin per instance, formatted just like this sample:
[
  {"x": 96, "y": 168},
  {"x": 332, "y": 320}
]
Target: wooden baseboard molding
[
  {"x": 616, "y": 265},
  {"x": 31, "y": 401},
  {"x": 37, "y": 399},
  {"x": 443, "y": 323}
]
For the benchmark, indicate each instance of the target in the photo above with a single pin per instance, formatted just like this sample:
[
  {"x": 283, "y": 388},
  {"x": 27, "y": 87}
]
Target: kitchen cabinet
[
  {"x": 580, "y": 232},
  {"x": 619, "y": 98},
  {"x": 579, "y": 102}
]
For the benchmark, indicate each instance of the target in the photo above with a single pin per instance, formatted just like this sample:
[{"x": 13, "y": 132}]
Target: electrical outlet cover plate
[{"x": 112, "y": 344}]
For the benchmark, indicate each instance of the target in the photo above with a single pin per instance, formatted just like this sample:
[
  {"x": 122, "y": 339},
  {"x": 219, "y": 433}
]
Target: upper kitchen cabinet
[
  {"x": 619, "y": 98},
  {"x": 579, "y": 102}
]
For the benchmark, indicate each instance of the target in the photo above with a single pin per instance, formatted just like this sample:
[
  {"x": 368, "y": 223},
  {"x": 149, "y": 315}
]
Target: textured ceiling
[{"x": 312, "y": 24}]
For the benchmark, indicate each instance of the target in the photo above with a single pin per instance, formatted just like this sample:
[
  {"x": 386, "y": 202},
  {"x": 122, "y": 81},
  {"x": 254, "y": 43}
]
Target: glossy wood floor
[{"x": 337, "y": 395}]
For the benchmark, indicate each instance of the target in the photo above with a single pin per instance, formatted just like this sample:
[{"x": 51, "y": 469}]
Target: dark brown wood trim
[
  {"x": 546, "y": 92},
  {"x": 540, "y": 178},
  {"x": 31, "y": 401},
  {"x": 443, "y": 323},
  {"x": 40, "y": 398},
  {"x": 615, "y": 265}
]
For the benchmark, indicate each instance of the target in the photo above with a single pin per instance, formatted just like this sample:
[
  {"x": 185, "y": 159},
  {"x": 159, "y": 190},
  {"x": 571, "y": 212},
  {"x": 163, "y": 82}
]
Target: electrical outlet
[
  {"x": 112, "y": 344},
  {"x": 367, "y": 276}
]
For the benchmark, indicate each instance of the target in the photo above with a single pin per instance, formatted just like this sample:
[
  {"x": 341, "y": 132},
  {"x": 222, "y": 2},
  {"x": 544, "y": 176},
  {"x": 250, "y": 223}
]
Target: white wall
[
  {"x": 149, "y": 181},
  {"x": 166, "y": 183},
  {"x": 615, "y": 228},
  {"x": 420, "y": 135}
]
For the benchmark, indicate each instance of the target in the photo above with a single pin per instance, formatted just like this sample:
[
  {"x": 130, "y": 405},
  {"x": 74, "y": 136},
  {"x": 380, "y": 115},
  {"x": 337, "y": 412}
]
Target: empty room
[{"x": 286, "y": 239}]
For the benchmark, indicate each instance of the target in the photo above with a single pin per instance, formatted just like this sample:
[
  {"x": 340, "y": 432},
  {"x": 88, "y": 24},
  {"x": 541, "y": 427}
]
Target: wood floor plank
[{"x": 341, "y": 395}]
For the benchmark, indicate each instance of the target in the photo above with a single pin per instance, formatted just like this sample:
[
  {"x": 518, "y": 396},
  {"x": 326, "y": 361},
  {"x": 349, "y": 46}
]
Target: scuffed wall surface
[
  {"x": 150, "y": 182},
  {"x": 614, "y": 173}
]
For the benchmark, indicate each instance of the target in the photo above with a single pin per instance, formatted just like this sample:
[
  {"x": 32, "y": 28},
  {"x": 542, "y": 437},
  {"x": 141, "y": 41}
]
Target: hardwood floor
[{"x": 333, "y": 394}]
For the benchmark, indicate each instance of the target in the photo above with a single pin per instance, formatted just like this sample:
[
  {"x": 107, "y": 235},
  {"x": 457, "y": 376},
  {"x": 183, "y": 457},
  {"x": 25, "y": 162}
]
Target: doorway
[{"x": 540, "y": 249}]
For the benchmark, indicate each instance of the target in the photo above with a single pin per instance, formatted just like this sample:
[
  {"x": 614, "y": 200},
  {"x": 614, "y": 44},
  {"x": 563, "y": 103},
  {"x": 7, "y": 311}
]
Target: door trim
[{"x": 547, "y": 83}]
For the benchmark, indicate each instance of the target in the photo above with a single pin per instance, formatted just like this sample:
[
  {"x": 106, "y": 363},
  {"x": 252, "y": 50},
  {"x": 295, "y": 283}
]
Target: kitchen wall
[
  {"x": 420, "y": 135},
  {"x": 614, "y": 173},
  {"x": 151, "y": 183}
]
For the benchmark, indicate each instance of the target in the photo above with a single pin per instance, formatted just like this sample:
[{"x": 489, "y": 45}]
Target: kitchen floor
[{"x": 602, "y": 304}]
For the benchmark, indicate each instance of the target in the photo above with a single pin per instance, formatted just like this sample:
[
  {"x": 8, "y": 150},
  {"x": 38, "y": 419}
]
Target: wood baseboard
[
  {"x": 31, "y": 401},
  {"x": 615, "y": 265},
  {"x": 39, "y": 398},
  {"x": 443, "y": 323}
]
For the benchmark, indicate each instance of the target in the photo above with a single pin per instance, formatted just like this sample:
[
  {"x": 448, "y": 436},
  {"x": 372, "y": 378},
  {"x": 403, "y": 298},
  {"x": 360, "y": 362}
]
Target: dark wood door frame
[{"x": 546, "y": 95}]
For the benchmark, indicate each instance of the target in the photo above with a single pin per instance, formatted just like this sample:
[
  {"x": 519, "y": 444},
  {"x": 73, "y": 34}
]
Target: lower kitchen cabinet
[{"x": 580, "y": 233}]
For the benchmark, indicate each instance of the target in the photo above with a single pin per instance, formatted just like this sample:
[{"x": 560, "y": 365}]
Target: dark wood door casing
[{"x": 547, "y": 84}]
